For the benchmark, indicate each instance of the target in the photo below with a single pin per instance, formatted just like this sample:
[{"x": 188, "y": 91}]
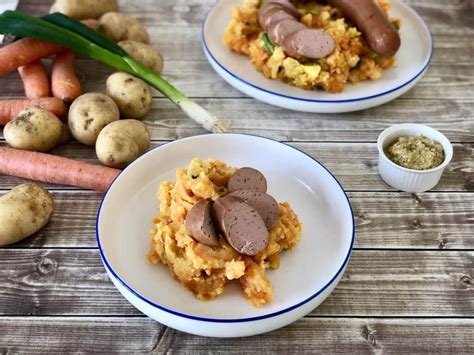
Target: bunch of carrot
[{"x": 25, "y": 56}]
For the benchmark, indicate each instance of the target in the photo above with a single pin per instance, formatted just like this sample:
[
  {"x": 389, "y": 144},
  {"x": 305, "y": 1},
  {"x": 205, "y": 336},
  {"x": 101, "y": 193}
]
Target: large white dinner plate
[
  {"x": 413, "y": 59},
  {"x": 306, "y": 276}
]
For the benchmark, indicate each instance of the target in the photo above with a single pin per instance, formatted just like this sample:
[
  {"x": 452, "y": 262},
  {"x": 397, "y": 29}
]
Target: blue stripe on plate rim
[
  {"x": 208, "y": 52},
  {"x": 222, "y": 320}
]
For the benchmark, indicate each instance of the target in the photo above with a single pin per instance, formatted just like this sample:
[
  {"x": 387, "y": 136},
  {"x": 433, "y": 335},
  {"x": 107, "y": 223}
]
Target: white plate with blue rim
[
  {"x": 306, "y": 276},
  {"x": 413, "y": 59}
]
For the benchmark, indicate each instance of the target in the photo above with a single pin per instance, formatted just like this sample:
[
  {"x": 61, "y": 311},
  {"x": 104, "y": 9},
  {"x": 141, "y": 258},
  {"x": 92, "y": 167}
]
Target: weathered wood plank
[
  {"x": 358, "y": 173},
  {"x": 308, "y": 335},
  {"x": 453, "y": 117},
  {"x": 62, "y": 282},
  {"x": 421, "y": 221}
]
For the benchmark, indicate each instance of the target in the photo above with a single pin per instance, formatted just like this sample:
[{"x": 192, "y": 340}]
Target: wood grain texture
[
  {"x": 452, "y": 117},
  {"x": 40, "y": 282},
  {"x": 309, "y": 335},
  {"x": 359, "y": 173},
  {"x": 383, "y": 221}
]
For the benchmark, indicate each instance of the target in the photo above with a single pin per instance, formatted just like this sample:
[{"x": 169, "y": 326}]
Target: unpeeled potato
[
  {"x": 120, "y": 27},
  {"x": 34, "y": 129},
  {"x": 121, "y": 142},
  {"x": 23, "y": 211},
  {"x": 84, "y": 9}
]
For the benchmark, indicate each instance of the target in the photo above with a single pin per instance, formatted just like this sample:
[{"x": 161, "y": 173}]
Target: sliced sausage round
[
  {"x": 265, "y": 204},
  {"x": 264, "y": 9},
  {"x": 309, "y": 43},
  {"x": 242, "y": 225},
  {"x": 372, "y": 22},
  {"x": 199, "y": 223},
  {"x": 286, "y": 4},
  {"x": 247, "y": 179},
  {"x": 275, "y": 14},
  {"x": 277, "y": 32},
  {"x": 218, "y": 210}
]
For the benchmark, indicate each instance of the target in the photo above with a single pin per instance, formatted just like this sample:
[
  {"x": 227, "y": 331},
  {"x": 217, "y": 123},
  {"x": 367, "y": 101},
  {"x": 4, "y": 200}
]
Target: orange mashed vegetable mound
[
  {"x": 352, "y": 61},
  {"x": 204, "y": 269}
]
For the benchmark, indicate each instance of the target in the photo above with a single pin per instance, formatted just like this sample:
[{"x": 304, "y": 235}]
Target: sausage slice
[
  {"x": 372, "y": 22},
  {"x": 275, "y": 14},
  {"x": 265, "y": 204},
  {"x": 241, "y": 225},
  {"x": 286, "y": 4},
  {"x": 278, "y": 31},
  {"x": 199, "y": 223},
  {"x": 219, "y": 208},
  {"x": 247, "y": 179},
  {"x": 309, "y": 43}
]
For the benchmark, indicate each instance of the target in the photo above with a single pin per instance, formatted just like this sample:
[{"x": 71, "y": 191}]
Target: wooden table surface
[{"x": 408, "y": 286}]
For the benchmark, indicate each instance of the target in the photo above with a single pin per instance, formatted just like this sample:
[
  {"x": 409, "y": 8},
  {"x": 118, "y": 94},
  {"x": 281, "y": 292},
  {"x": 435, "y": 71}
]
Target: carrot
[
  {"x": 25, "y": 51},
  {"x": 54, "y": 169},
  {"x": 35, "y": 80},
  {"x": 65, "y": 85},
  {"x": 10, "y": 108}
]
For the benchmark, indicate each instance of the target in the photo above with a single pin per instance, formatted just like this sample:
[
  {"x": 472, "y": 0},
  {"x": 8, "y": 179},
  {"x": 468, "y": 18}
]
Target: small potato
[
  {"x": 132, "y": 95},
  {"x": 88, "y": 114},
  {"x": 119, "y": 27},
  {"x": 144, "y": 54},
  {"x": 121, "y": 142},
  {"x": 84, "y": 9},
  {"x": 33, "y": 129},
  {"x": 23, "y": 211}
]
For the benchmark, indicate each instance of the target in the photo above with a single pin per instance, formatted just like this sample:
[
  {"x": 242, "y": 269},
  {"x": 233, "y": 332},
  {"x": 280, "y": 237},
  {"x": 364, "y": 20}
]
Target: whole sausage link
[{"x": 372, "y": 22}]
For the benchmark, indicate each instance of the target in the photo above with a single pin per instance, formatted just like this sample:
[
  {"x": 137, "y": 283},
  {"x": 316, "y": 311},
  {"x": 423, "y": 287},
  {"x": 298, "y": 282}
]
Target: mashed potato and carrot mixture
[
  {"x": 352, "y": 60},
  {"x": 204, "y": 269}
]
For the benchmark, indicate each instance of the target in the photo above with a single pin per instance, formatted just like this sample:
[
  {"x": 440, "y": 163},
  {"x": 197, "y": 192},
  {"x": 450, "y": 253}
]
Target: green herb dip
[{"x": 418, "y": 153}]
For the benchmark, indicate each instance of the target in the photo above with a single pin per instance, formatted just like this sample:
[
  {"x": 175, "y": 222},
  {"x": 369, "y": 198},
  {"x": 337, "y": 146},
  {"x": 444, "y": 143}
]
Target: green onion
[
  {"x": 266, "y": 43},
  {"x": 62, "y": 30}
]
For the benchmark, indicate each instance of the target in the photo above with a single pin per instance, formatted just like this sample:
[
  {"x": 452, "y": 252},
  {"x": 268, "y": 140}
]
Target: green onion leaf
[
  {"x": 81, "y": 29},
  {"x": 267, "y": 43}
]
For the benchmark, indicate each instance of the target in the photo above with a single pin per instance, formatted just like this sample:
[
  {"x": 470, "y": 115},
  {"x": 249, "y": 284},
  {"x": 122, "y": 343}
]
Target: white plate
[
  {"x": 306, "y": 276},
  {"x": 413, "y": 59}
]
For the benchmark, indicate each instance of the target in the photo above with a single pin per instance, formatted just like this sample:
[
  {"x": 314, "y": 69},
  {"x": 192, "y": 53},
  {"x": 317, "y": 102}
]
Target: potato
[
  {"x": 23, "y": 211},
  {"x": 88, "y": 114},
  {"x": 121, "y": 142},
  {"x": 33, "y": 129},
  {"x": 144, "y": 54},
  {"x": 84, "y": 9},
  {"x": 132, "y": 95},
  {"x": 119, "y": 27}
]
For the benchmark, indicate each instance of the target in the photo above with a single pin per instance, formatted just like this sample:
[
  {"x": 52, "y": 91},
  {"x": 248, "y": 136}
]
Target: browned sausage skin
[{"x": 372, "y": 22}]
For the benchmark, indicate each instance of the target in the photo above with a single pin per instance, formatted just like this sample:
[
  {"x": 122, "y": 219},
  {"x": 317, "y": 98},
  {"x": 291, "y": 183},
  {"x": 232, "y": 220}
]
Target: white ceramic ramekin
[{"x": 410, "y": 180}]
